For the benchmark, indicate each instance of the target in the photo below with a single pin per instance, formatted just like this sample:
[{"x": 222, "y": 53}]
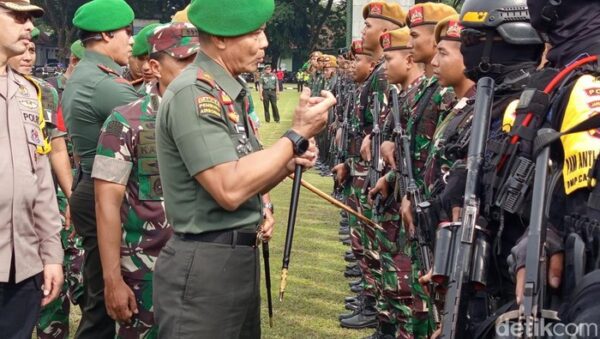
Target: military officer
[
  {"x": 142, "y": 77},
  {"x": 268, "y": 92},
  {"x": 30, "y": 251},
  {"x": 94, "y": 89},
  {"x": 132, "y": 227},
  {"x": 206, "y": 279}
]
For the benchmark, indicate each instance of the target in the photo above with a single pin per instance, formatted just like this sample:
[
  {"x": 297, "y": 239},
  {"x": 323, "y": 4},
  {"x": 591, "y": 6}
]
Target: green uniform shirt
[
  {"x": 268, "y": 81},
  {"x": 196, "y": 130},
  {"x": 94, "y": 89}
]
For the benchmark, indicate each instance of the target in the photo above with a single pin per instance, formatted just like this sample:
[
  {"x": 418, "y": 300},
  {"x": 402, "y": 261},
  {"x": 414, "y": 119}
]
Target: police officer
[
  {"x": 206, "y": 280},
  {"x": 268, "y": 92},
  {"x": 94, "y": 89},
  {"x": 54, "y": 317},
  {"x": 30, "y": 251},
  {"x": 126, "y": 173}
]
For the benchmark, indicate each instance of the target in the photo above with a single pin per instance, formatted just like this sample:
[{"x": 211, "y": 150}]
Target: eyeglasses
[{"x": 19, "y": 17}]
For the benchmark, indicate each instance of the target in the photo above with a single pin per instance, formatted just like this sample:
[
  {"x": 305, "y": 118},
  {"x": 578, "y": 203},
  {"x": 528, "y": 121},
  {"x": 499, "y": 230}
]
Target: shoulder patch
[
  {"x": 108, "y": 70},
  {"x": 206, "y": 78},
  {"x": 208, "y": 105}
]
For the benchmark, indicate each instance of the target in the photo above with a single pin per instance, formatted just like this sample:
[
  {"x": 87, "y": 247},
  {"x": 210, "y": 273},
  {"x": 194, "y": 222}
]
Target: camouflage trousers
[
  {"x": 142, "y": 324},
  {"x": 363, "y": 237},
  {"x": 54, "y": 317},
  {"x": 402, "y": 301}
]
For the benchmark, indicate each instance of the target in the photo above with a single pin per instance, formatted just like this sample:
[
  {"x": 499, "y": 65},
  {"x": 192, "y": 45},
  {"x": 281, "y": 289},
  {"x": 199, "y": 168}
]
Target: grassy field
[{"x": 316, "y": 285}]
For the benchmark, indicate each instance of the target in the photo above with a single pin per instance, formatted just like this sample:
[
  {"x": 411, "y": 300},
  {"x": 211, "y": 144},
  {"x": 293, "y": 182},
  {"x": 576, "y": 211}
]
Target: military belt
[{"x": 229, "y": 237}]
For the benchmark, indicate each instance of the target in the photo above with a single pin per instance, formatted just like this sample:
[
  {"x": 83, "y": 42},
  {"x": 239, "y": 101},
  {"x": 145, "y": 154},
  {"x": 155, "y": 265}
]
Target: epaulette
[
  {"x": 206, "y": 78},
  {"x": 45, "y": 148},
  {"x": 107, "y": 70},
  {"x": 136, "y": 81}
]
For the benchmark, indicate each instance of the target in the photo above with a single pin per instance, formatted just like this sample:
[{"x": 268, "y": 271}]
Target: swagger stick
[
  {"x": 265, "y": 246},
  {"x": 290, "y": 229}
]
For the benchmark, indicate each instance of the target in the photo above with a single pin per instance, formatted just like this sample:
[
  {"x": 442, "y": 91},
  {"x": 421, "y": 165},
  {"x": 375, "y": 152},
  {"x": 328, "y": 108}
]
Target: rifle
[
  {"x": 341, "y": 151},
  {"x": 376, "y": 165},
  {"x": 409, "y": 184},
  {"x": 469, "y": 242}
]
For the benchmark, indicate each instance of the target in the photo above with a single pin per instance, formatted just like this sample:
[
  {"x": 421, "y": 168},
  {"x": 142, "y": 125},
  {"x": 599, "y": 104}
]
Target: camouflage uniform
[
  {"x": 396, "y": 302},
  {"x": 421, "y": 130},
  {"x": 364, "y": 236},
  {"x": 403, "y": 297},
  {"x": 127, "y": 155},
  {"x": 54, "y": 317}
]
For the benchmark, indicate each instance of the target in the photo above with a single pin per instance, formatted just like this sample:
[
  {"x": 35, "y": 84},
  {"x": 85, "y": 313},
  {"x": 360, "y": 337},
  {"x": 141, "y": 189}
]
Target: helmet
[
  {"x": 497, "y": 37},
  {"x": 509, "y": 18}
]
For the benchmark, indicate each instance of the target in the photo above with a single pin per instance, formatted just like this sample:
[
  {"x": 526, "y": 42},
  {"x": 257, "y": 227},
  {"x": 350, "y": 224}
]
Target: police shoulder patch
[{"x": 208, "y": 105}]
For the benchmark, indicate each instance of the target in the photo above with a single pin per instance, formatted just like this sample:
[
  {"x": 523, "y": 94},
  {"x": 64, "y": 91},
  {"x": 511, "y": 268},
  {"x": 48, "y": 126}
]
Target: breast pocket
[
  {"x": 150, "y": 187},
  {"x": 35, "y": 138}
]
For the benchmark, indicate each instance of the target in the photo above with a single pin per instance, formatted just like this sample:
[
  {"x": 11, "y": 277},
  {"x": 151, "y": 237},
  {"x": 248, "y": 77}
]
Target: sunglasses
[{"x": 19, "y": 17}]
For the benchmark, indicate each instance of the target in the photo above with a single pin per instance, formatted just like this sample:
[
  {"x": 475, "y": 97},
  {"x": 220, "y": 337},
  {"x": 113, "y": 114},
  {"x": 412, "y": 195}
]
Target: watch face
[{"x": 302, "y": 146}]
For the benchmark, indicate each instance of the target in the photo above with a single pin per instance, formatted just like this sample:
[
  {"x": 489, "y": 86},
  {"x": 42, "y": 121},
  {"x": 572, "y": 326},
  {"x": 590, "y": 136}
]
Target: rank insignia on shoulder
[
  {"x": 233, "y": 117},
  {"x": 208, "y": 105}
]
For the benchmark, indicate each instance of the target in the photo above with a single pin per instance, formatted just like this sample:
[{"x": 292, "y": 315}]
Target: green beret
[
  {"x": 35, "y": 33},
  {"x": 103, "y": 16},
  {"x": 230, "y": 18},
  {"x": 77, "y": 49},
  {"x": 140, "y": 41}
]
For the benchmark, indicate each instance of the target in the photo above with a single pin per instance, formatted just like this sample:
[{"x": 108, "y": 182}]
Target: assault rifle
[
  {"x": 408, "y": 186},
  {"x": 342, "y": 147},
  {"x": 376, "y": 165},
  {"x": 469, "y": 242}
]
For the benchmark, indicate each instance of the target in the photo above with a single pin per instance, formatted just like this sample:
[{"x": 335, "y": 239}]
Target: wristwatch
[
  {"x": 270, "y": 207},
  {"x": 299, "y": 142}
]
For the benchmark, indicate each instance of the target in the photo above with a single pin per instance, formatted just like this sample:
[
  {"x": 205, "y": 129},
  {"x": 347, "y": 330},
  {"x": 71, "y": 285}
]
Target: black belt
[
  {"x": 230, "y": 237},
  {"x": 270, "y": 90}
]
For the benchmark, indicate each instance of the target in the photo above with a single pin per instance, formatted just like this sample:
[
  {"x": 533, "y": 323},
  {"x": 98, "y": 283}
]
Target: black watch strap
[{"x": 299, "y": 142}]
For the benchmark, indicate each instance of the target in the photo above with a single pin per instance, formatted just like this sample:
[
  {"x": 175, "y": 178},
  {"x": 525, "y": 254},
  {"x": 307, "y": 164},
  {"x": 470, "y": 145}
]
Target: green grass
[{"x": 316, "y": 285}]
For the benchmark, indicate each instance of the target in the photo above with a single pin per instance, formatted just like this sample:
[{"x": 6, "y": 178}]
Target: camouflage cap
[
  {"x": 429, "y": 13},
  {"x": 178, "y": 39},
  {"x": 448, "y": 29},
  {"x": 22, "y": 6}
]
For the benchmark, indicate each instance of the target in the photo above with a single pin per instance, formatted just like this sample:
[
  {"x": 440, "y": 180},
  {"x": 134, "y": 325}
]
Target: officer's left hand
[
  {"x": 266, "y": 229},
  {"x": 53, "y": 281},
  {"x": 306, "y": 160}
]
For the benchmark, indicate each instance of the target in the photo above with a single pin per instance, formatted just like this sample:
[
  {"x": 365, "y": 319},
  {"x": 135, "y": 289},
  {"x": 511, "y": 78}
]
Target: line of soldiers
[
  {"x": 449, "y": 255},
  {"x": 140, "y": 265}
]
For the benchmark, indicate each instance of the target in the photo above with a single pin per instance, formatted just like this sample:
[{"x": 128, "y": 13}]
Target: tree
[
  {"x": 59, "y": 17},
  {"x": 298, "y": 26}
]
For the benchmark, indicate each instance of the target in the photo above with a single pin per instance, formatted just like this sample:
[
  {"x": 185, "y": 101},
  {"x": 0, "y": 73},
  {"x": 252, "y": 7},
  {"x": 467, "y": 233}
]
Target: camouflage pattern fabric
[
  {"x": 127, "y": 155},
  {"x": 54, "y": 318},
  {"x": 421, "y": 128}
]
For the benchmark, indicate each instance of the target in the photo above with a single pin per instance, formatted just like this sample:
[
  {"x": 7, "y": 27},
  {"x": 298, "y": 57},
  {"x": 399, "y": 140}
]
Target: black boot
[
  {"x": 349, "y": 257},
  {"x": 344, "y": 231},
  {"x": 357, "y": 288},
  {"x": 355, "y": 282},
  {"x": 353, "y": 273},
  {"x": 366, "y": 318}
]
